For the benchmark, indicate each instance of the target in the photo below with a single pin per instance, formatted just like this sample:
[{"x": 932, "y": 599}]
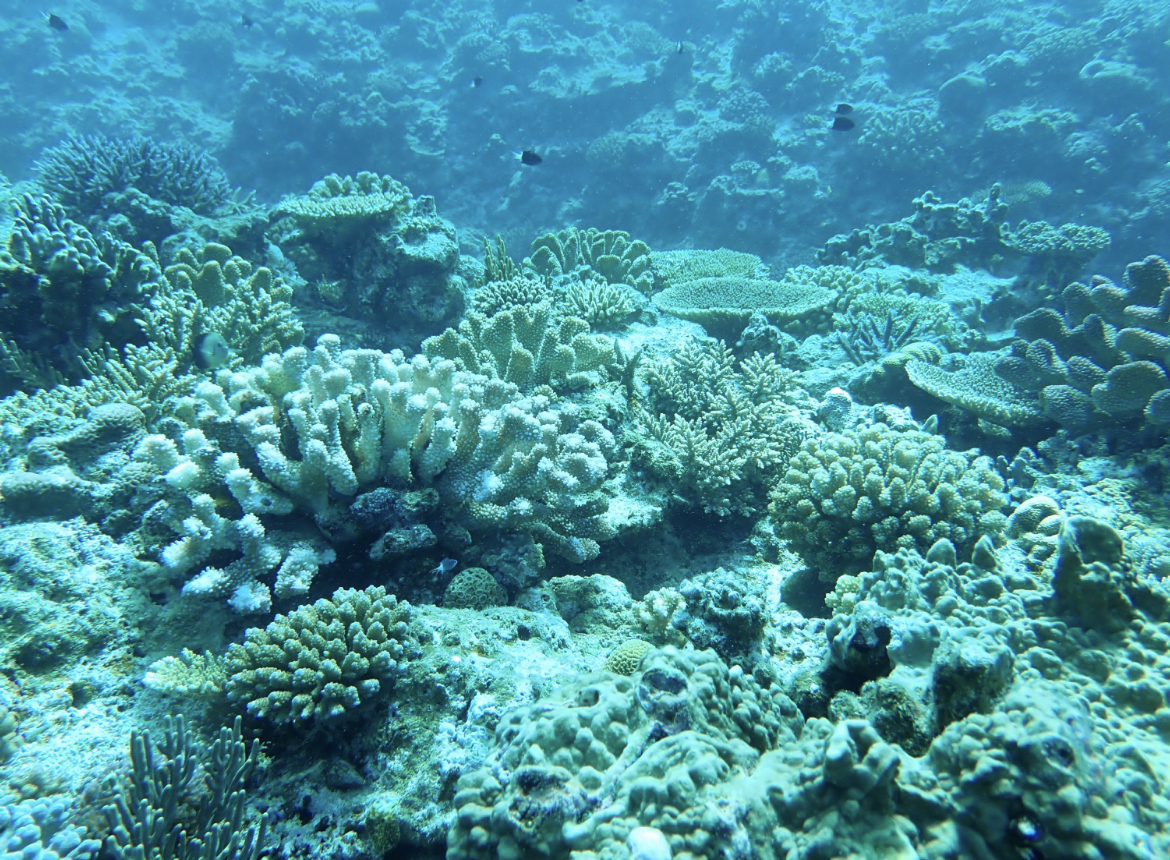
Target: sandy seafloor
[{"x": 591, "y": 431}]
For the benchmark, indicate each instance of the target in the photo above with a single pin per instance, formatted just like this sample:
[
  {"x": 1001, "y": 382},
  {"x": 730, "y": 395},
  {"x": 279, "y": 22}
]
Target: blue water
[{"x": 923, "y": 144}]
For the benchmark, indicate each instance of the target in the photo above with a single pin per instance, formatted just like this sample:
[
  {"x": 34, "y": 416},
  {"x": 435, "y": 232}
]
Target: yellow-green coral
[
  {"x": 524, "y": 346},
  {"x": 624, "y": 659},
  {"x": 322, "y": 660},
  {"x": 517, "y": 291},
  {"x": 848, "y": 494},
  {"x": 729, "y": 302},
  {"x": 215, "y": 291},
  {"x": 717, "y": 432},
  {"x": 473, "y": 588}
]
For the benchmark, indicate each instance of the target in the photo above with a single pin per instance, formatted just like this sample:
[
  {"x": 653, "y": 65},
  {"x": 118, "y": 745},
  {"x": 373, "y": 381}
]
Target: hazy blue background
[{"x": 724, "y": 143}]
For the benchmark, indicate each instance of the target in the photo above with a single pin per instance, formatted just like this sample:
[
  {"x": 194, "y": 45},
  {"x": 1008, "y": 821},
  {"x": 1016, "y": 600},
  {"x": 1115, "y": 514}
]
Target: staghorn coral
[
  {"x": 600, "y": 303},
  {"x": 88, "y": 173},
  {"x": 718, "y": 434},
  {"x": 848, "y": 494},
  {"x": 514, "y": 292},
  {"x": 320, "y": 662},
  {"x": 346, "y": 204},
  {"x": 215, "y": 291},
  {"x": 801, "y": 299}
]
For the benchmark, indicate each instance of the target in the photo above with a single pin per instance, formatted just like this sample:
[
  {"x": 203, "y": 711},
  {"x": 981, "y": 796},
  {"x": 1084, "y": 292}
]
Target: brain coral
[{"x": 848, "y": 494}]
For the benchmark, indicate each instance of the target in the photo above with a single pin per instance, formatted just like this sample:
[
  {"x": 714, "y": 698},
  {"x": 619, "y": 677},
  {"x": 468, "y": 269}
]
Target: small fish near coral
[
  {"x": 56, "y": 23},
  {"x": 445, "y": 566},
  {"x": 210, "y": 351},
  {"x": 529, "y": 157},
  {"x": 842, "y": 122}
]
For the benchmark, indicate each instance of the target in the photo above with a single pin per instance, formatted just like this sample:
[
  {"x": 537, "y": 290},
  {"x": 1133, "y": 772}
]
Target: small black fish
[
  {"x": 843, "y": 109},
  {"x": 476, "y": 81},
  {"x": 680, "y": 47},
  {"x": 57, "y": 23},
  {"x": 245, "y": 21},
  {"x": 843, "y": 123},
  {"x": 530, "y": 158}
]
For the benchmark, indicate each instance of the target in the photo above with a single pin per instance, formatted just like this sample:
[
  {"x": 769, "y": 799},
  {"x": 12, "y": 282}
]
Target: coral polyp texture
[
  {"x": 307, "y": 428},
  {"x": 845, "y": 495}
]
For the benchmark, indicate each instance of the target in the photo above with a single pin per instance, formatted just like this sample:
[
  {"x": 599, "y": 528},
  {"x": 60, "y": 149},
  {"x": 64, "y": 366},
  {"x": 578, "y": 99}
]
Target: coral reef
[
  {"x": 576, "y": 255},
  {"x": 719, "y": 434},
  {"x": 941, "y": 236},
  {"x": 845, "y": 495},
  {"x": 1105, "y": 357},
  {"x": 612, "y": 752},
  {"x": 678, "y": 267},
  {"x": 321, "y": 661}
]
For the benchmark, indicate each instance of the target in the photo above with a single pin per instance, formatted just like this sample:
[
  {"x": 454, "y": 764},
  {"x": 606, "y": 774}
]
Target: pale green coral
[
  {"x": 729, "y": 302},
  {"x": 526, "y": 347},
  {"x": 600, "y": 303},
  {"x": 474, "y": 588},
  {"x": 848, "y": 494},
  {"x": 610, "y": 254},
  {"x": 718, "y": 432},
  {"x": 677, "y": 267},
  {"x": 971, "y": 382},
  {"x": 517, "y": 291},
  {"x": 343, "y": 203}
]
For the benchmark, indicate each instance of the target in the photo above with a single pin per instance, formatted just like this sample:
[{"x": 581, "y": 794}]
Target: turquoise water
[{"x": 588, "y": 431}]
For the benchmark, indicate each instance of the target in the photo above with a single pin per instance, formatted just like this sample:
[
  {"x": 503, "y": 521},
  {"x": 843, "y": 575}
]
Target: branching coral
[
  {"x": 725, "y": 432},
  {"x": 848, "y": 494}
]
